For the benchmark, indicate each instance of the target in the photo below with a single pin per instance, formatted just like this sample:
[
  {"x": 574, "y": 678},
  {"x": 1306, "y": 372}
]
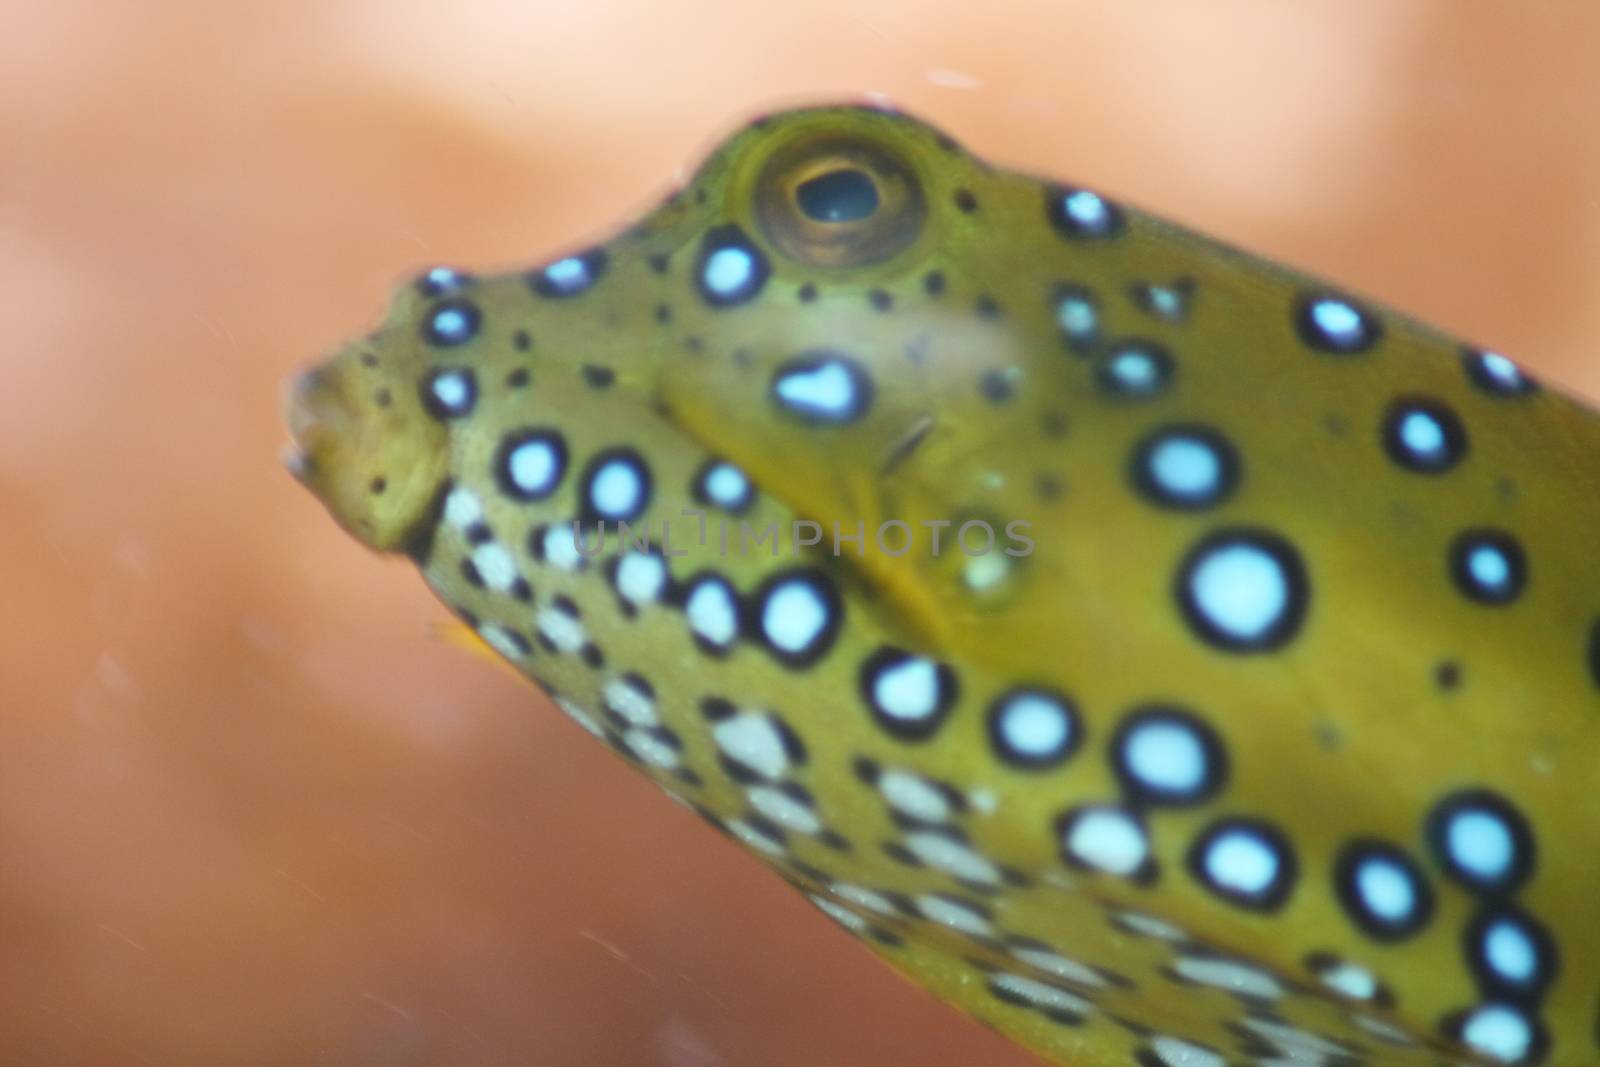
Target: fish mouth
[{"x": 315, "y": 415}]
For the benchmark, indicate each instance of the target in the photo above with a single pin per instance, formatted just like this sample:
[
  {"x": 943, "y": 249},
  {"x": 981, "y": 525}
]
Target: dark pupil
[{"x": 838, "y": 196}]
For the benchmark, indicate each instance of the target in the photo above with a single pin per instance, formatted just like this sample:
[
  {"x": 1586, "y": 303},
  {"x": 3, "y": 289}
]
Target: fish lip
[{"x": 306, "y": 424}]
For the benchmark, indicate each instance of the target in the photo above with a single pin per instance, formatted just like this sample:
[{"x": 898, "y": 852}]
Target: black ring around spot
[
  {"x": 1492, "y": 982},
  {"x": 1031, "y": 760},
  {"x": 1142, "y": 792},
  {"x": 529, "y": 435},
  {"x": 1275, "y": 895},
  {"x": 730, "y": 236},
  {"x": 468, "y": 319},
  {"x": 1475, "y": 360},
  {"x": 1369, "y": 330},
  {"x": 833, "y": 609},
  {"x": 886, "y": 658},
  {"x": 1471, "y": 541},
  {"x": 1144, "y": 480},
  {"x": 1379, "y": 927},
  {"x": 1523, "y": 848},
  {"x": 436, "y": 407},
  {"x": 1109, "y": 225},
  {"x": 588, "y": 514},
  {"x": 1454, "y": 448},
  {"x": 1297, "y": 589}
]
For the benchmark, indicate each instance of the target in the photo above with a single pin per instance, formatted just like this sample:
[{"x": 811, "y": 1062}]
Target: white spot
[
  {"x": 726, "y": 486},
  {"x": 1489, "y": 568},
  {"x": 500, "y": 639},
  {"x": 495, "y": 565},
  {"x": 443, "y": 278},
  {"x": 1504, "y": 373},
  {"x": 728, "y": 270},
  {"x": 1386, "y": 889},
  {"x": 579, "y": 716},
  {"x": 1340, "y": 323},
  {"x": 795, "y": 616},
  {"x": 641, "y": 577},
  {"x": 1499, "y": 1032},
  {"x": 617, "y": 490},
  {"x": 569, "y": 275},
  {"x": 1060, "y": 966},
  {"x": 451, "y": 324},
  {"x": 1350, "y": 980},
  {"x": 953, "y": 858},
  {"x": 462, "y": 508},
  {"x": 1422, "y": 435},
  {"x": 983, "y": 800},
  {"x": 562, "y": 630},
  {"x": 1301, "y": 1046},
  {"x": 1040, "y": 994},
  {"x": 1185, "y": 468},
  {"x": 1134, "y": 372},
  {"x": 1481, "y": 844},
  {"x": 631, "y": 703},
  {"x": 1108, "y": 839},
  {"x": 1165, "y": 302},
  {"x": 863, "y": 898},
  {"x": 841, "y": 915},
  {"x": 913, "y": 795},
  {"x": 1077, "y": 316},
  {"x": 534, "y": 467},
  {"x": 1173, "y": 1052},
  {"x": 784, "y": 810},
  {"x": 1242, "y": 862},
  {"x": 560, "y": 547},
  {"x": 754, "y": 742},
  {"x": 1034, "y": 726},
  {"x": 1227, "y": 974},
  {"x": 754, "y": 838},
  {"x": 452, "y": 390},
  {"x": 713, "y": 614},
  {"x": 826, "y": 391},
  {"x": 986, "y": 571},
  {"x": 1088, "y": 210},
  {"x": 1149, "y": 926},
  {"x": 1382, "y": 1031},
  {"x": 1510, "y": 952},
  {"x": 957, "y": 917},
  {"x": 909, "y": 690},
  {"x": 1166, "y": 756},
  {"x": 1241, "y": 590},
  {"x": 651, "y": 749}
]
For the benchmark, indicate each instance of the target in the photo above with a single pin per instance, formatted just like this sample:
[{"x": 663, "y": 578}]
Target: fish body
[{"x": 1166, "y": 657}]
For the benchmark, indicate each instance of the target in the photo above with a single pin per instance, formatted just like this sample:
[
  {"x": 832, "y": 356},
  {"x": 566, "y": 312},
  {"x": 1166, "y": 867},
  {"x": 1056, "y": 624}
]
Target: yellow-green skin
[{"x": 1391, "y": 691}]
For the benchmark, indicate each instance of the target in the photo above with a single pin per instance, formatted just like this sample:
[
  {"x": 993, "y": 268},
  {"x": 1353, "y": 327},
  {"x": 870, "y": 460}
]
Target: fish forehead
[{"x": 1263, "y": 735}]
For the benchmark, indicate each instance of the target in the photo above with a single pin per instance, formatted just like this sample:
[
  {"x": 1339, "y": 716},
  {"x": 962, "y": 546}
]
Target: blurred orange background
[{"x": 252, "y": 809}]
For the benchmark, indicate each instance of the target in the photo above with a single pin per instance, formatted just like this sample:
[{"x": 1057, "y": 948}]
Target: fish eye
[
  {"x": 833, "y": 202},
  {"x": 845, "y": 195}
]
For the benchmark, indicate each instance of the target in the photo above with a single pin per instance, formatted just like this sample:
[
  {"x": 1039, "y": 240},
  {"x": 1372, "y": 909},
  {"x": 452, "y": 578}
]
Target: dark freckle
[
  {"x": 1328, "y": 736},
  {"x": 1335, "y": 424},
  {"x": 658, "y": 263},
  {"x": 1053, "y": 424},
  {"x": 592, "y": 656},
  {"x": 742, "y": 357},
  {"x": 699, "y": 196},
  {"x": 521, "y": 341},
  {"x": 663, "y": 313},
  {"x": 917, "y": 350},
  {"x": 807, "y": 293},
  {"x": 1507, "y": 489},
  {"x": 933, "y": 282},
  {"x": 996, "y": 387},
  {"x": 966, "y": 201},
  {"x": 598, "y": 377},
  {"x": 517, "y": 378},
  {"x": 383, "y": 398},
  {"x": 1447, "y": 675},
  {"x": 378, "y": 484},
  {"x": 988, "y": 308},
  {"x": 368, "y": 359},
  {"x": 880, "y": 300},
  {"x": 1047, "y": 486},
  {"x": 694, "y": 344}
]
